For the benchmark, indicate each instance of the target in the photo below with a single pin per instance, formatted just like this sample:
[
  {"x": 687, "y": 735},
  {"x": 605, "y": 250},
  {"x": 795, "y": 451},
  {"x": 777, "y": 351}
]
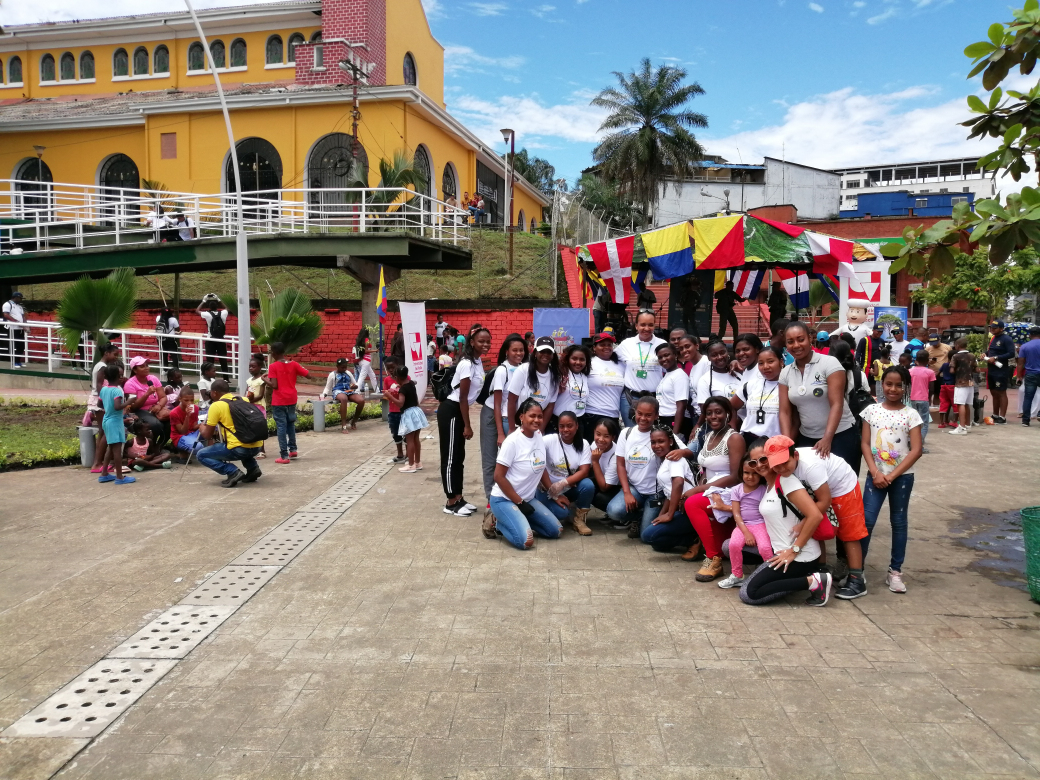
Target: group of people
[
  {"x": 754, "y": 451},
  {"x": 473, "y": 204}
]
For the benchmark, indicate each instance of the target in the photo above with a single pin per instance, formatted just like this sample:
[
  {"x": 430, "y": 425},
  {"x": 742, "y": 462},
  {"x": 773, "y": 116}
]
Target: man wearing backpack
[
  {"x": 241, "y": 429},
  {"x": 215, "y": 316}
]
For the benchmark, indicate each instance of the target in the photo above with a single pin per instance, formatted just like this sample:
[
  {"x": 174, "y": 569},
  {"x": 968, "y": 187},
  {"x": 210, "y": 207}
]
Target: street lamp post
[
  {"x": 241, "y": 248},
  {"x": 510, "y": 138}
]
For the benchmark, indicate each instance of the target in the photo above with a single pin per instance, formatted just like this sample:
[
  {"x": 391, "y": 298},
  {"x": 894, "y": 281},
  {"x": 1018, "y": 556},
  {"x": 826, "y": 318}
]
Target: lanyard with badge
[
  {"x": 578, "y": 387},
  {"x": 642, "y": 373},
  {"x": 760, "y": 414}
]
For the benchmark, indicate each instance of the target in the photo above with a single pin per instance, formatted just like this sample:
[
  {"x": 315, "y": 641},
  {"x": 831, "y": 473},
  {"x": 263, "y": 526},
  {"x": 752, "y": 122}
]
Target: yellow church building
[{"x": 114, "y": 102}]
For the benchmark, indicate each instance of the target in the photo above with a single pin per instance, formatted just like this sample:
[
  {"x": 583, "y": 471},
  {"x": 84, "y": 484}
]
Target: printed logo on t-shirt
[
  {"x": 537, "y": 461},
  {"x": 637, "y": 457},
  {"x": 818, "y": 392},
  {"x": 819, "y": 379}
]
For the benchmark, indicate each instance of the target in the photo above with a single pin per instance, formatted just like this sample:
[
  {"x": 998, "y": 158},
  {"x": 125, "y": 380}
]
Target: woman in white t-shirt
[
  {"x": 493, "y": 427},
  {"x": 568, "y": 462},
  {"x": 670, "y": 529},
  {"x": 453, "y": 421},
  {"x": 519, "y": 470},
  {"x": 639, "y": 359},
  {"x": 539, "y": 379},
  {"x": 673, "y": 393},
  {"x": 759, "y": 396},
  {"x": 695, "y": 365},
  {"x": 606, "y": 384},
  {"x": 745, "y": 351},
  {"x": 786, "y": 504},
  {"x": 604, "y": 462},
  {"x": 573, "y": 392},
  {"x": 719, "y": 380}
]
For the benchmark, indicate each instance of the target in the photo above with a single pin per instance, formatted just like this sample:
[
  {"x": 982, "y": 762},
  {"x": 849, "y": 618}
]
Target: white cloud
[
  {"x": 458, "y": 59},
  {"x": 488, "y": 9},
  {"x": 433, "y": 8},
  {"x": 816, "y": 7},
  {"x": 531, "y": 118},
  {"x": 859, "y": 4},
  {"x": 845, "y": 128},
  {"x": 543, "y": 10},
  {"x": 882, "y": 16}
]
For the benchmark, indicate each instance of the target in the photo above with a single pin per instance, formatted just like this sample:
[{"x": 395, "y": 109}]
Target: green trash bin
[{"x": 1031, "y": 533}]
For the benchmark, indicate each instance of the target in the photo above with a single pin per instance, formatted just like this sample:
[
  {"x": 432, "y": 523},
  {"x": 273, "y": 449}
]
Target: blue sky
[{"x": 826, "y": 83}]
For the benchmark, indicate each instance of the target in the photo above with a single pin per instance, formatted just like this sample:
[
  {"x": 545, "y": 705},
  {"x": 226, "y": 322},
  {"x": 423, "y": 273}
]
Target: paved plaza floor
[{"x": 402, "y": 644}]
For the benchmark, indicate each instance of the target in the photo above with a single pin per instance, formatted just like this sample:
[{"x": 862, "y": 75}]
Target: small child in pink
[
  {"x": 751, "y": 526},
  {"x": 921, "y": 378}
]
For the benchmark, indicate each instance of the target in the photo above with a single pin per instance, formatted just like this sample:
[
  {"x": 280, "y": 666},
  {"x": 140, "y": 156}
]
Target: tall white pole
[{"x": 241, "y": 248}]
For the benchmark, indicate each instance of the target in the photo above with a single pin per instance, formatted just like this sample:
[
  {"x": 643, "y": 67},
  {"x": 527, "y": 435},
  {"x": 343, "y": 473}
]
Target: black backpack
[
  {"x": 250, "y": 423},
  {"x": 859, "y": 397},
  {"x": 485, "y": 391},
  {"x": 442, "y": 380},
  {"x": 217, "y": 326}
]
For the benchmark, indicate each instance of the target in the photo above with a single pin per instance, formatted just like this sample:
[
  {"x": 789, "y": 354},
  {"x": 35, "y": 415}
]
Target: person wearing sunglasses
[{"x": 638, "y": 356}]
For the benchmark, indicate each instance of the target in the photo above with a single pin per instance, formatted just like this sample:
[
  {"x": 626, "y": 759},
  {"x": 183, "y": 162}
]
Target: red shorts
[
  {"x": 945, "y": 398},
  {"x": 852, "y": 525}
]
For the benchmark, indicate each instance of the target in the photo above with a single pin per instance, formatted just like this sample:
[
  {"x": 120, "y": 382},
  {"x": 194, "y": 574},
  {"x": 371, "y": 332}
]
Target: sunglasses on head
[{"x": 646, "y": 311}]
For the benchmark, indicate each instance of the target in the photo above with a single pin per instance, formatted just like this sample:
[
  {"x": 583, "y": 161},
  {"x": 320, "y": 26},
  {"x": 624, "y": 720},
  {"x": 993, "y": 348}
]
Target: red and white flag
[{"x": 613, "y": 259}]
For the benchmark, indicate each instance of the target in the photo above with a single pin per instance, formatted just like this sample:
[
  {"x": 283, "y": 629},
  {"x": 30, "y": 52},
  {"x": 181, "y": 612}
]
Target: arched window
[
  {"x": 423, "y": 167},
  {"x": 161, "y": 60},
  {"x": 120, "y": 63},
  {"x": 1, "y": 71},
  {"x": 521, "y": 221},
  {"x": 67, "y": 71},
  {"x": 216, "y": 50},
  {"x": 259, "y": 166},
  {"x": 294, "y": 40},
  {"x": 449, "y": 183},
  {"x": 47, "y": 68},
  {"x": 316, "y": 37},
  {"x": 330, "y": 162},
  {"x": 119, "y": 171},
  {"x": 14, "y": 70},
  {"x": 196, "y": 57},
  {"x": 33, "y": 176},
  {"x": 273, "y": 51},
  {"x": 319, "y": 51},
  {"x": 534, "y": 225},
  {"x": 238, "y": 53},
  {"x": 409, "y": 70},
  {"x": 86, "y": 66},
  {"x": 140, "y": 61}
]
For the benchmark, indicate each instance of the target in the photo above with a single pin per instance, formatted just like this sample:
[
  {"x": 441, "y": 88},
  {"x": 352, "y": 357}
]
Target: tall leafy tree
[
  {"x": 96, "y": 305},
  {"x": 983, "y": 285},
  {"x": 649, "y": 137},
  {"x": 537, "y": 171}
]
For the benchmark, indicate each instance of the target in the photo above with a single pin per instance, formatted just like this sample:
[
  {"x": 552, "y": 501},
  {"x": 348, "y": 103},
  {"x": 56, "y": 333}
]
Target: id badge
[
  {"x": 760, "y": 417},
  {"x": 579, "y": 406},
  {"x": 641, "y": 373}
]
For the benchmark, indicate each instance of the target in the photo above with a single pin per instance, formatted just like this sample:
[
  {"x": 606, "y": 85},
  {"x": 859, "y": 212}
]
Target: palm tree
[
  {"x": 94, "y": 305},
  {"x": 649, "y": 136},
  {"x": 287, "y": 317}
]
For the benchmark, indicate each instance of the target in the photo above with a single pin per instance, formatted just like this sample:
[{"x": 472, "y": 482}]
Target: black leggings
[
  {"x": 768, "y": 584},
  {"x": 846, "y": 445},
  {"x": 601, "y": 498},
  {"x": 453, "y": 447}
]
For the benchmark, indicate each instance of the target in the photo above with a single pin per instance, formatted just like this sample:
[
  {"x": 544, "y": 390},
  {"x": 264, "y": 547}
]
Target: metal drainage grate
[
  {"x": 175, "y": 633},
  {"x": 287, "y": 540},
  {"x": 332, "y": 502},
  {"x": 87, "y": 705},
  {"x": 232, "y": 585}
]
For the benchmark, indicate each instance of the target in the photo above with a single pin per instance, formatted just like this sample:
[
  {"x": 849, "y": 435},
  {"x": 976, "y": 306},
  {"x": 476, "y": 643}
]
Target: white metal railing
[
  {"x": 39, "y": 346},
  {"x": 40, "y": 217}
]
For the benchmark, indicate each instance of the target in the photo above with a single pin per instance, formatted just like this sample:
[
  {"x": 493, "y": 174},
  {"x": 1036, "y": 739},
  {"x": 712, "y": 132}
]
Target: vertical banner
[
  {"x": 564, "y": 326},
  {"x": 413, "y": 324}
]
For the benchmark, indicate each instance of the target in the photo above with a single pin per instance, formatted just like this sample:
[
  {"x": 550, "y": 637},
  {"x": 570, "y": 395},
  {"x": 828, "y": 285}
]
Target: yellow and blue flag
[
  {"x": 669, "y": 251},
  {"x": 381, "y": 300},
  {"x": 639, "y": 278}
]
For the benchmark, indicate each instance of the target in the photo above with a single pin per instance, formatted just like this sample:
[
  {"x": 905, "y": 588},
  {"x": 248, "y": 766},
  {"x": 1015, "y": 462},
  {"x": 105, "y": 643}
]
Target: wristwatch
[{"x": 796, "y": 548}]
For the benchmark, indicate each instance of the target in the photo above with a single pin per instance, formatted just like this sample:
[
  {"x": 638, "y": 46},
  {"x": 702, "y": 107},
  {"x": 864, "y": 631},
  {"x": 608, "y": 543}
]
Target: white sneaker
[
  {"x": 958, "y": 431},
  {"x": 732, "y": 581},
  {"x": 894, "y": 580}
]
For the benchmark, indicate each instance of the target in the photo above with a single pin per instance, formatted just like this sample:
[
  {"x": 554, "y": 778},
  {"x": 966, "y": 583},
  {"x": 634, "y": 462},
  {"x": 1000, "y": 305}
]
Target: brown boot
[
  {"x": 579, "y": 522},
  {"x": 694, "y": 553},
  {"x": 711, "y": 569},
  {"x": 488, "y": 526}
]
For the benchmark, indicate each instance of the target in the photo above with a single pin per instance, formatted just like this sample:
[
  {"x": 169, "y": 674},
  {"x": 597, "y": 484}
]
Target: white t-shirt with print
[
  {"x": 668, "y": 470},
  {"x": 574, "y": 396},
  {"x": 759, "y": 393},
  {"x": 500, "y": 382},
  {"x": 608, "y": 464},
  {"x": 558, "y": 455},
  {"x": 524, "y": 459},
  {"x": 814, "y": 471},
  {"x": 639, "y": 357},
  {"x": 640, "y": 462},
  {"x": 544, "y": 393},
  {"x": 440, "y": 326},
  {"x": 779, "y": 526},
  {"x": 714, "y": 383},
  {"x": 474, "y": 372},
  {"x": 606, "y": 383},
  {"x": 675, "y": 386},
  {"x": 890, "y": 435}
]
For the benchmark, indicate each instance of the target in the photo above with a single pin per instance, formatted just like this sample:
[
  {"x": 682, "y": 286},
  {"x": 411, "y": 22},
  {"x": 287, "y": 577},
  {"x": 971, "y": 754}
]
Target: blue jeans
[
  {"x": 643, "y": 513},
  {"x": 515, "y": 527},
  {"x": 1029, "y": 387},
  {"x": 285, "y": 424},
  {"x": 580, "y": 497},
  {"x": 665, "y": 537},
  {"x": 189, "y": 441},
  {"x": 898, "y": 503},
  {"x": 218, "y": 457},
  {"x": 626, "y": 421},
  {"x": 921, "y": 407}
]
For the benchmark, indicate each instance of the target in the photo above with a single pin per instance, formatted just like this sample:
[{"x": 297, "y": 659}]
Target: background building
[
  {"x": 903, "y": 203},
  {"x": 935, "y": 177},
  {"x": 121, "y": 101}
]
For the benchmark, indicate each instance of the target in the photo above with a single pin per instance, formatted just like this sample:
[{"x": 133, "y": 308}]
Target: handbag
[
  {"x": 826, "y": 530},
  {"x": 858, "y": 397}
]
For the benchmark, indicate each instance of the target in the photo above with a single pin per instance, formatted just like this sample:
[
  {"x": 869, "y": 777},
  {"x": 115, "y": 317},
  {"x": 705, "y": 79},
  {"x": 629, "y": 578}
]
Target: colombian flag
[
  {"x": 381, "y": 300},
  {"x": 669, "y": 251},
  {"x": 718, "y": 242}
]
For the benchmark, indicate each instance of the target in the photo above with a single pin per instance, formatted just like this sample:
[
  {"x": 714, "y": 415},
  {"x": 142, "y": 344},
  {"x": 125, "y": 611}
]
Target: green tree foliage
[
  {"x": 648, "y": 127},
  {"x": 287, "y": 317},
  {"x": 538, "y": 172},
  {"x": 606, "y": 199},
  {"x": 983, "y": 285},
  {"x": 1011, "y": 117},
  {"x": 95, "y": 305}
]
